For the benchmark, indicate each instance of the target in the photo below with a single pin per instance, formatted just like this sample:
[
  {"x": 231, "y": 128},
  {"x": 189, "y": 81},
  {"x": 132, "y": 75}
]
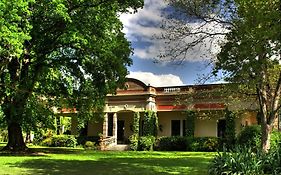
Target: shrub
[
  {"x": 229, "y": 129},
  {"x": 136, "y": 123},
  {"x": 246, "y": 161},
  {"x": 134, "y": 139},
  {"x": 190, "y": 123},
  {"x": 174, "y": 143},
  {"x": 250, "y": 136},
  {"x": 272, "y": 161},
  {"x": 275, "y": 157},
  {"x": 60, "y": 141},
  {"x": 46, "y": 142},
  {"x": 3, "y": 135},
  {"x": 40, "y": 135},
  {"x": 134, "y": 142},
  {"x": 240, "y": 161},
  {"x": 90, "y": 145},
  {"x": 146, "y": 143},
  {"x": 64, "y": 141},
  {"x": 81, "y": 140},
  {"x": 275, "y": 139},
  {"x": 204, "y": 144},
  {"x": 178, "y": 143},
  {"x": 150, "y": 123}
]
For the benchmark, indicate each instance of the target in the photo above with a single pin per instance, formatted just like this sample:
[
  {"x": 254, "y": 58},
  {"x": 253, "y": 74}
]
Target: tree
[
  {"x": 229, "y": 128},
  {"x": 71, "y": 54},
  {"x": 190, "y": 123},
  {"x": 14, "y": 29},
  {"x": 248, "y": 32},
  {"x": 251, "y": 57}
]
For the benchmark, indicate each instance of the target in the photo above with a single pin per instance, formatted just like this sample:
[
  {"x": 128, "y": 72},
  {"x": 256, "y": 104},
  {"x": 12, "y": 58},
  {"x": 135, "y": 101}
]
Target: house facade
[{"x": 170, "y": 104}]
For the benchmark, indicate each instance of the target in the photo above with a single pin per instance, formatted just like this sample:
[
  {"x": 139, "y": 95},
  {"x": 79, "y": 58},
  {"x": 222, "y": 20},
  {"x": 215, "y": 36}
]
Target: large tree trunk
[
  {"x": 265, "y": 139},
  {"x": 15, "y": 138}
]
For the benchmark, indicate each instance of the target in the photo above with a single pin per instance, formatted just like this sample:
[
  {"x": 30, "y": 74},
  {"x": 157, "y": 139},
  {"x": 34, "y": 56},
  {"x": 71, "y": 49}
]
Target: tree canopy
[
  {"x": 59, "y": 52},
  {"x": 248, "y": 33},
  {"x": 251, "y": 56}
]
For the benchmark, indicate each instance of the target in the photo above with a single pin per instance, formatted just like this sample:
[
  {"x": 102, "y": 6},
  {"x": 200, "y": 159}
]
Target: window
[
  {"x": 183, "y": 127},
  {"x": 176, "y": 126},
  {"x": 221, "y": 128},
  {"x": 110, "y": 124}
]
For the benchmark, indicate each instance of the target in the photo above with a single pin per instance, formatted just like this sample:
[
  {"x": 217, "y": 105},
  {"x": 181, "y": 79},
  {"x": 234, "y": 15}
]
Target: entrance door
[
  {"x": 120, "y": 131},
  {"x": 221, "y": 128}
]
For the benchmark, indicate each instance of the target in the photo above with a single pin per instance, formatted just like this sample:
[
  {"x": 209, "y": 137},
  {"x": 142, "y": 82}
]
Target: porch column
[
  {"x": 104, "y": 126},
  {"x": 115, "y": 127},
  {"x": 74, "y": 125}
]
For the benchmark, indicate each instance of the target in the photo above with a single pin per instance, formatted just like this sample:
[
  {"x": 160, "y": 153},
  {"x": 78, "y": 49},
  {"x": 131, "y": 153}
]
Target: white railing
[
  {"x": 107, "y": 141},
  {"x": 169, "y": 90}
]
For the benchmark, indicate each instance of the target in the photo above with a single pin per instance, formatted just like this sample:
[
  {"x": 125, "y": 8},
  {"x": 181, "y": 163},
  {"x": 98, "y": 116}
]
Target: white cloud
[
  {"x": 157, "y": 80},
  {"x": 219, "y": 82},
  {"x": 145, "y": 24}
]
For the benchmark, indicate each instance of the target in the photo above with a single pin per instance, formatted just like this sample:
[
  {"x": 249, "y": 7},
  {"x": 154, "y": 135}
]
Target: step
[{"x": 118, "y": 147}]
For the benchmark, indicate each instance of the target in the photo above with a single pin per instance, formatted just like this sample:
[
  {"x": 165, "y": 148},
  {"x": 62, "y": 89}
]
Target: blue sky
[{"x": 140, "y": 29}]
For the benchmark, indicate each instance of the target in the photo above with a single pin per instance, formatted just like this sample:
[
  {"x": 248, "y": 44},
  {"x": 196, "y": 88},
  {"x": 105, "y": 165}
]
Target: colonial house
[{"x": 170, "y": 104}]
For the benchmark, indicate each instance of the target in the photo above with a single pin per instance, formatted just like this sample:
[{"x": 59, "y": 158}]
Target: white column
[
  {"x": 115, "y": 127},
  {"x": 104, "y": 127}
]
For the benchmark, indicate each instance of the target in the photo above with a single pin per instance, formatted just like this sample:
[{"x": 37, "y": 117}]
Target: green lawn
[{"x": 58, "y": 161}]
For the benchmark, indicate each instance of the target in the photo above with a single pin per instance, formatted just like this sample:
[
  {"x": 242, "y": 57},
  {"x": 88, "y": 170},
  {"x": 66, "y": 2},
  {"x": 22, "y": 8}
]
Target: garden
[
  {"x": 57, "y": 152},
  {"x": 47, "y": 160},
  {"x": 239, "y": 154}
]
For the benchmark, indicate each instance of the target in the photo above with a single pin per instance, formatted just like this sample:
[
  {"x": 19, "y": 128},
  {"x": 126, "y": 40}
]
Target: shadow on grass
[
  {"x": 40, "y": 151},
  {"x": 113, "y": 165}
]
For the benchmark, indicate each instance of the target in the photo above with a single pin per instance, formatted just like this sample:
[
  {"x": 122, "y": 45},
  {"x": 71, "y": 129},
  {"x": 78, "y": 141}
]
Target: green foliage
[
  {"x": 146, "y": 143},
  {"x": 271, "y": 161},
  {"x": 173, "y": 143},
  {"x": 3, "y": 135},
  {"x": 134, "y": 142},
  {"x": 37, "y": 115},
  {"x": 230, "y": 129},
  {"x": 240, "y": 161},
  {"x": 150, "y": 127},
  {"x": 275, "y": 139},
  {"x": 90, "y": 145},
  {"x": 47, "y": 142},
  {"x": 250, "y": 136},
  {"x": 15, "y": 28},
  {"x": 247, "y": 161},
  {"x": 248, "y": 46},
  {"x": 134, "y": 139},
  {"x": 249, "y": 41},
  {"x": 190, "y": 123},
  {"x": 208, "y": 144},
  {"x": 81, "y": 140},
  {"x": 60, "y": 141},
  {"x": 42, "y": 134},
  {"x": 250, "y": 56},
  {"x": 62, "y": 124},
  {"x": 136, "y": 123},
  {"x": 67, "y": 54},
  {"x": 178, "y": 143}
]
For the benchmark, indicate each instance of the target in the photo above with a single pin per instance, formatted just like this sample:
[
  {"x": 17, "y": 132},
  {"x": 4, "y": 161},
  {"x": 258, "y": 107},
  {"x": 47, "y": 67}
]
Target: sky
[{"x": 140, "y": 29}]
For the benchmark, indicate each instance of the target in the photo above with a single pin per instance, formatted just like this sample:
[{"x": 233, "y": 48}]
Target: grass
[{"x": 65, "y": 161}]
